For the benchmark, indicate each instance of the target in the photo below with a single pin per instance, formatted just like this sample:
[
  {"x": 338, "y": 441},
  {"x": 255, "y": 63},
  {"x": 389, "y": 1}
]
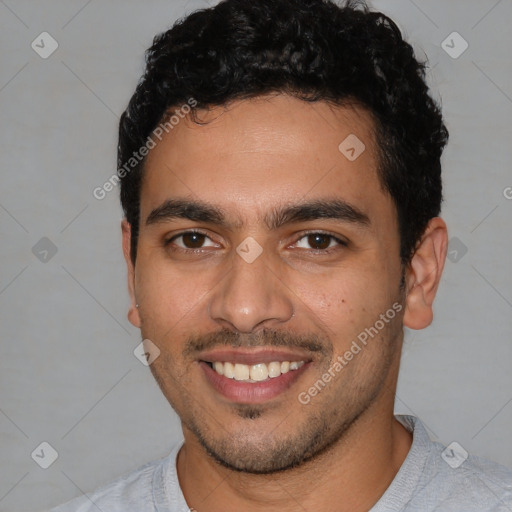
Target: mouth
[
  {"x": 258, "y": 372},
  {"x": 252, "y": 377}
]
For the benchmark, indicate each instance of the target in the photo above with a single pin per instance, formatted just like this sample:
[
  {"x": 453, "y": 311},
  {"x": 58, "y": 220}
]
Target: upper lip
[{"x": 252, "y": 356}]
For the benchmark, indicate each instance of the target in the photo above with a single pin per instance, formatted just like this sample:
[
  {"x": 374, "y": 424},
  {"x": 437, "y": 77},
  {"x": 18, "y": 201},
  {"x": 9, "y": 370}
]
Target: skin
[{"x": 252, "y": 157}]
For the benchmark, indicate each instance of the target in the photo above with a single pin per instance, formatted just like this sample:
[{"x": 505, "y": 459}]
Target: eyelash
[
  {"x": 169, "y": 241},
  {"x": 339, "y": 241},
  {"x": 342, "y": 243}
]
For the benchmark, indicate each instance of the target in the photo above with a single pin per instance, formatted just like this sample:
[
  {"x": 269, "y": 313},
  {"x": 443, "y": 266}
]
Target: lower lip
[{"x": 248, "y": 392}]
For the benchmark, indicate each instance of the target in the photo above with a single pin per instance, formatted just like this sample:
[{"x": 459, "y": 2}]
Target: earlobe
[
  {"x": 133, "y": 312},
  {"x": 424, "y": 274}
]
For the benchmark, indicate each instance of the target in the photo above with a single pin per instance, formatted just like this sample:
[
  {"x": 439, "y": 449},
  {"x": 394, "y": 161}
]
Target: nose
[{"x": 251, "y": 297}]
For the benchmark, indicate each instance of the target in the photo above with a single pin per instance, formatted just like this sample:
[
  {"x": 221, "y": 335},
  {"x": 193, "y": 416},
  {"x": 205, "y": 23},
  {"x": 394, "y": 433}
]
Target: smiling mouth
[
  {"x": 253, "y": 375},
  {"x": 258, "y": 372}
]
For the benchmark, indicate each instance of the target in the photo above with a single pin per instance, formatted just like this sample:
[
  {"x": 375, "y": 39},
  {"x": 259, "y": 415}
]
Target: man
[{"x": 281, "y": 183}]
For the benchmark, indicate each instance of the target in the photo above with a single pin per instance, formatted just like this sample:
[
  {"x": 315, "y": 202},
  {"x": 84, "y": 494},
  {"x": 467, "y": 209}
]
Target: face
[{"x": 268, "y": 276}]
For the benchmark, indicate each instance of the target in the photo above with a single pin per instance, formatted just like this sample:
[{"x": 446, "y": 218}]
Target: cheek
[
  {"x": 332, "y": 302},
  {"x": 168, "y": 297},
  {"x": 345, "y": 303}
]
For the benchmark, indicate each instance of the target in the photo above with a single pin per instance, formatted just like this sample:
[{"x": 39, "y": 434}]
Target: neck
[{"x": 350, "y": 476}]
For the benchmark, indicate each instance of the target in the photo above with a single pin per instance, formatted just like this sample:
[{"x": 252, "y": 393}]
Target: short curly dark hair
[{"x": 314, "y": 50}]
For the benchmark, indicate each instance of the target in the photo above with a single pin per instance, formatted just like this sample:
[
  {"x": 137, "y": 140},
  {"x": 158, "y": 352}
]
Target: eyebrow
[{"x": 199, "y": 211}]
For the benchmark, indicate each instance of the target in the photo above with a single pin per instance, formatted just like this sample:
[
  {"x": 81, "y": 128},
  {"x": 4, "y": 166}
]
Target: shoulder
[
  {"x": 132, "y": 491},
  {"x": 481, "y": 483},
  {"x": 455, "y": 481},
  {"x": 445, "y": 479}
]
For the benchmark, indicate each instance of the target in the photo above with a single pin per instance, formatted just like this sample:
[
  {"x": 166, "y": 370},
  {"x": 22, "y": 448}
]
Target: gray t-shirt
[{"x": 432, "y": 478}]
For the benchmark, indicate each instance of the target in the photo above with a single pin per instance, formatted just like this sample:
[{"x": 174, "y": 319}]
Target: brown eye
[
  {"x": 319, "y": 241},
  {"x": 193, "y": 240}
]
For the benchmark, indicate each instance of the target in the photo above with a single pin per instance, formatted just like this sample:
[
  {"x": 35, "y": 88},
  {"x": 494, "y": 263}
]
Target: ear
[
  {"x": 424, "y": 273},
  {"x": 133, "y": 312}
]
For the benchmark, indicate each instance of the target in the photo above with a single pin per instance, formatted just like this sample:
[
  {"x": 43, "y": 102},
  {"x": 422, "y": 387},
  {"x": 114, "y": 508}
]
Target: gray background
[{"x": 68, "y": 375}]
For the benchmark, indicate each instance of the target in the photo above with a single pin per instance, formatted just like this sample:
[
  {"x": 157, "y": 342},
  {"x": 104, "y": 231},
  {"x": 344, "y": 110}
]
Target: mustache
[{"x": 265, "y": 338}]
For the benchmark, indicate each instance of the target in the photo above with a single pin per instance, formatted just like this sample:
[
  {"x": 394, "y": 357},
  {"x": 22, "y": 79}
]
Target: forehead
[{"x": 255, "y": 154}]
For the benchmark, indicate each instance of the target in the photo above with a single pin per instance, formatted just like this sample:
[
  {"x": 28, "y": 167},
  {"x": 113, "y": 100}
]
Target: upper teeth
[{"x": 256, "y": 372}]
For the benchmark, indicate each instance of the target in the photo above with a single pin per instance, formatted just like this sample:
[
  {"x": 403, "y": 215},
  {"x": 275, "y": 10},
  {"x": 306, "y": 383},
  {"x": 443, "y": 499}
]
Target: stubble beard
[
  {"x": 324, "y": 426},
  {"x": 326, "y": 422}
]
